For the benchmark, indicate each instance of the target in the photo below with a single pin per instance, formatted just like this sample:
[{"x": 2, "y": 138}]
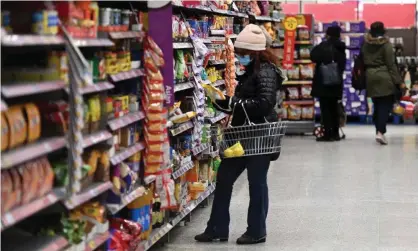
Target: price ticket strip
[
  {"x": 182, "y": 128},
  {"x": 34, "y": 150},
  {"x": 126, "y": 153},
  {"x": 89, "y": 193},
  {"x": 97, "y": 241},
  {"x": 160, "y": 232},
  {"x": 93, "y": 42},
  {"x": 183, "y": 169},
  {"x": 123, "y": 121},
  {"x": 24, "y": 89},
  {"x": 126, "y": 34},
  {"x": 200, "y": 148},
  {"x": 97, "y": 87},
  {"x": 22, "y": 212},
  {"x": 219, "y": 83},
  {"x": 126, "y": 75},
  {"x": 183, "y": 86},
  {"x": 95, "y": 138},
  {"x": 183, "y": 45},
  {"x": 138, "y": 192},
  {"x": 217, "y": 118}
]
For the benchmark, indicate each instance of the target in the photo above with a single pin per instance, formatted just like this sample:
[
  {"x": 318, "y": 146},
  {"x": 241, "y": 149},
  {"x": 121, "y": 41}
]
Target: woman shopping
[
  {"x": 382, "y": 76},
  {"x": 256, "y": 93},
  {"x": 330, "y": 51}
]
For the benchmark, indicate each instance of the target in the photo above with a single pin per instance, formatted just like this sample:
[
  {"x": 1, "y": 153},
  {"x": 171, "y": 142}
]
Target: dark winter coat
[
  {"x": 257, "y": 92},
  {"x": 322, "y": 54},
  {"x": 381, "y": 71}
]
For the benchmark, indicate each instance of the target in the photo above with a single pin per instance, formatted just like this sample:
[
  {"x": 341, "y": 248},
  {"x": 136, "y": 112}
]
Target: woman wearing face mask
[{"x": 256, "y": 92}]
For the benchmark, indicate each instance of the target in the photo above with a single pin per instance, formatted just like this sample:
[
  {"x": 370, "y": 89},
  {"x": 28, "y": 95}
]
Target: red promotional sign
[{"x": 290, "y": 25}]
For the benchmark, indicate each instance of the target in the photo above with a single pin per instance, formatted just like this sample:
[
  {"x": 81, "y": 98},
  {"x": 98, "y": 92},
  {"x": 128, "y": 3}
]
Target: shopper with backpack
[
  {"x": 330, "y": 59},
  {"x": 382, "y": 77}
]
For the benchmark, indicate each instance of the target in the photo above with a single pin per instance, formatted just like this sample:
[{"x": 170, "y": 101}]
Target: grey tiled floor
[{"x": 349, "y": 195}]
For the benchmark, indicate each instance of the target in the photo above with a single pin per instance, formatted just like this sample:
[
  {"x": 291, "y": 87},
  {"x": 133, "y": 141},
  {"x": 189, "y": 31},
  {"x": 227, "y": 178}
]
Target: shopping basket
[{"x": 255, "y": 139}]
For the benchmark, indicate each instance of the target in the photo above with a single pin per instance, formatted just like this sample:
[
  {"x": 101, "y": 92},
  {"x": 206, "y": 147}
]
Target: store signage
[{"x": 290, "y": 25}]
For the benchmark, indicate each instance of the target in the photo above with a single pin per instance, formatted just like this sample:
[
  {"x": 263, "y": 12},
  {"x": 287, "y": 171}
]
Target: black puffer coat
[
  {"x": 321, "y": 54},
  {"x": 257, "y": 92}
]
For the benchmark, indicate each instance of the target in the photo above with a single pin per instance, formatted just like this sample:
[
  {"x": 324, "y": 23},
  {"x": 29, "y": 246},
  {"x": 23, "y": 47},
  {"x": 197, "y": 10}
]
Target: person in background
[
  {"x": 330, "y": 50},
  {"x": 256, "y": 93},
  {"x": 382, "y": 76}
]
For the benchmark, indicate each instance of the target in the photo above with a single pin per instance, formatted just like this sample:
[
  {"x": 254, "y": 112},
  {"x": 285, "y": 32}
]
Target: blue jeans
[{"x": 229, "y": 171}]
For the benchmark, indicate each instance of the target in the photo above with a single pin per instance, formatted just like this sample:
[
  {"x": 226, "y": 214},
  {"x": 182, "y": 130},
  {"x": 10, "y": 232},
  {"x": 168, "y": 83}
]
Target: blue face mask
[{"x": 244, "y": 60}]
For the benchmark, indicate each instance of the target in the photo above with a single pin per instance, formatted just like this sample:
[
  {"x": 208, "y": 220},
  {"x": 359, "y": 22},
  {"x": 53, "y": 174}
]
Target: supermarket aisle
[{"x": 351, "y": 195}]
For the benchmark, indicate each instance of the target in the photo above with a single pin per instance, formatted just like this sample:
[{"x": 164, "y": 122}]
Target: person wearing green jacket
[{"x": 382, "y": 76}]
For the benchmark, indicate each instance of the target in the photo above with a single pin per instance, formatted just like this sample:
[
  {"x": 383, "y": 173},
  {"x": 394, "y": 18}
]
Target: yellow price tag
[
  {"x": 290, "y": 23},
  {"x": 301, "y": 19}
]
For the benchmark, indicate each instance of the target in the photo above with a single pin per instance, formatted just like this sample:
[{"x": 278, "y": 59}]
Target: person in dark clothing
[
  {"x": 330, "y": 50},
  {"x": 382, "y": 76},
  {"x": 256, "y": 93}
]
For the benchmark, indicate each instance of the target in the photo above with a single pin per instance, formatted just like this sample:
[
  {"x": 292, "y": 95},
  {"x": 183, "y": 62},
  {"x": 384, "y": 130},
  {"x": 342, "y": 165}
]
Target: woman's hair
[
  {"x": 377, "y": 29},
  {"x": 260, "y": 56}
]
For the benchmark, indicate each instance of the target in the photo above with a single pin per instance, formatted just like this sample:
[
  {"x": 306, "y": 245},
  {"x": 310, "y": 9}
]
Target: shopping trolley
[{"x": 255, "y": 139}]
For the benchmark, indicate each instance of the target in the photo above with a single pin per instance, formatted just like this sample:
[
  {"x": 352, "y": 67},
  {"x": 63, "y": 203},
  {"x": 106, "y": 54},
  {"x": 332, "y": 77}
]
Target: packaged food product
[
  {"x": 307, "y": 112},
  {"x": 304, "y": 52},
  {"x": 175, "y": 27},
  {"x": 149, "y": 62},
  {"x": 303, "y": 33},
  {"x": 34, "y": 122},
  {"x": 7, "y": 197},
  {"x": 153, "y": 46},
  {"x": 293, "y": 92},
  {"x": 306, "y": 71},
  {"x": 294, "y": 112},
  {"x": 5, "y": 132},
  {"x": 305, "y": 91},
  {"x": 213, "y": 93},
  {"x": 293, "y": 73},
  {"x": 102, "y": 173},
  {"x": 17, "y": 126}
]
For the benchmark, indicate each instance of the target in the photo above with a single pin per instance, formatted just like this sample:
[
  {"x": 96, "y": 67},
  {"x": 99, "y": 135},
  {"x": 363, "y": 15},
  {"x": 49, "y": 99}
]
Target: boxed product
[
  {"x": 353, "y": 26},
  {"x": 353, "y": 40}
]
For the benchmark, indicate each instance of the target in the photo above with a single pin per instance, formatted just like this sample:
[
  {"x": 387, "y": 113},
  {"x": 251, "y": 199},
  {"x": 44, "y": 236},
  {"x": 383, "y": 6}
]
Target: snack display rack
[
  {"x": 90, "y": 138},
  {"x": 356, "y": 104},
  {"x": 297, "y": 106}
]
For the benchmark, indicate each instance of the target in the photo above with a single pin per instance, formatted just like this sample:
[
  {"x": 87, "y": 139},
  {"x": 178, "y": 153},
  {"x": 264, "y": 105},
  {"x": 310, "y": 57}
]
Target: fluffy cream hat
[{"x": 251, "y": 38}]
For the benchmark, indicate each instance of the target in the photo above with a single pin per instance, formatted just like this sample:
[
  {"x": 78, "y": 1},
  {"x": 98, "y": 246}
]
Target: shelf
[
  {"x": 182, "y": 128},
  {"x": 158, "y": 233},
  {"x": 182, "y": 45},
  {"x": 40, "y": 243},
  {"x": 200, "y": 148},
  {"x": 97, "y": 87},
  {"x": 212, "y": 154},
  {"x": 183, "y": 86},
  {"x": 125, "y": 120},
  {"x": 213, "y": 10},
  {"x": 302, "y": 61},
  {"x": 126, "y": 75},
  {"x": 303, "y": 42},
  {"x": 266, "y": 18},
  {"x": 183, "y": 169},
  {"x": 126, "y": 153},
  {"x": 218, "y": 118},
  {"x": 97, "y": 241},
  {"x": 31, "y": 40},
  {"x": 138, "y": 192},
  {"x": 22, "y": 212},
  {"x": 13, "y": 90},
  {"x": 219, "y": 83},
  {"x": 88, "y": 194},
  {"x": 217, "y": 62},
  {"x": 31, "y": 151},
  {"x": 92, "y": 42},
  {"x": 298, "y": 82},
  {"x": 3, "y": 106},
  {"x": 95, "y": 138},
  {"x": 193, "y": 204},
  {"x": 126, "y": 34},
  {"x": 299, "y": 102},
  {"x": 302, "y": 126}
]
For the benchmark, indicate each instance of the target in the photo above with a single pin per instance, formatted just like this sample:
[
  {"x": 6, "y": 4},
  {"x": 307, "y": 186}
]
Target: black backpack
[{"x": 358, "y": 73}]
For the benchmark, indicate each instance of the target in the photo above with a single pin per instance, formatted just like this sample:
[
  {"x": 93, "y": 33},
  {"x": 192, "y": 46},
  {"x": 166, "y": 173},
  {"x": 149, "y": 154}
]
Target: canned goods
[
  {"x": 126, "y": 17},
  {"x": 38, "y": 22},
  {"x": 52, "y": 22},
  {"x": 104, "y": 17},
  {"x": 117, "y": 17},
  {"x": 5, "y": 18}
]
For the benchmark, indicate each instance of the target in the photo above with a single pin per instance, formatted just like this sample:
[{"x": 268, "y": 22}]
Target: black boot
[
  {"x": 209, "y": 238},
  {"x": 248, "y": 240},
  {"x": 336, "y": 134}
]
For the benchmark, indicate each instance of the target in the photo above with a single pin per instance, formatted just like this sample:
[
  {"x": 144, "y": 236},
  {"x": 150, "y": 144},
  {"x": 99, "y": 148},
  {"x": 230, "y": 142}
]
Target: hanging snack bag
[
  {"x": 307, "y": 112},
  {"x": 305, "y": 91},
  {"x": 293, "y": 92},
  {"x": 294, "y": 112}
]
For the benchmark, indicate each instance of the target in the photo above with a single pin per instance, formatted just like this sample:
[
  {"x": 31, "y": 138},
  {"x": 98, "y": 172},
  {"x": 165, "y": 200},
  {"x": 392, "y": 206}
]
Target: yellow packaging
[
  {"x": 213, "y": 93},
  {"x": 124, "y": 102},
  {"x": 5, "y": 132},
  {"x": 17, "y": 126},
  {"x": 59, "y": 62},
  {"x": 111, "y": 63},
  {"x": 34, "y": 122},
  {"x": 94, "y": 108}
]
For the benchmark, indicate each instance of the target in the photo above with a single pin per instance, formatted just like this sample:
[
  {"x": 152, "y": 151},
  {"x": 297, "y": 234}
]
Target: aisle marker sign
[{"x": 290, "y": 25}]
